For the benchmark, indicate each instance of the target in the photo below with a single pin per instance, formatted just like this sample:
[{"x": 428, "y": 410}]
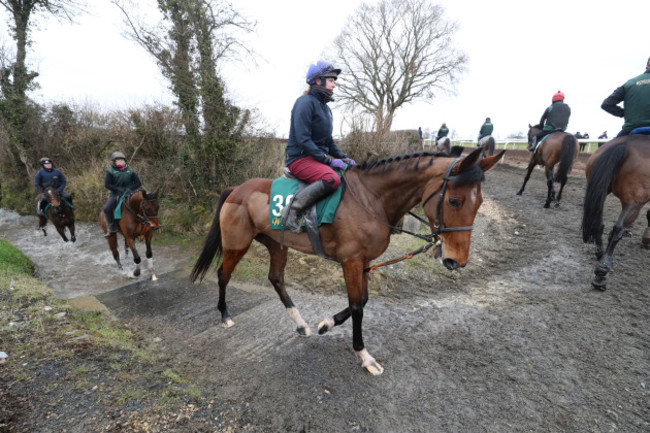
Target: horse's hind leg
[
  {"x": 551, "y": 190},
  {"x": 230, "y": 260},
  {"x": 73, "y": 238},
  {"x": 276, "y": 277},
  {"x": 559, "y": 195},
  {"x": 112, "y": 244},
  {"x": 628, "y": 215},
  {"x": 645, "y": 238}
]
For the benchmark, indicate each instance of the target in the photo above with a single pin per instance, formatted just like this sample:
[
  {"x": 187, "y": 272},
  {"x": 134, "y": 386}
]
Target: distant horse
[
  {"x": 487, "y": 145},
  {"x": 139, "y": 219},
  {"x": 622, "y": 167},
  {"x": 443, "y": 145},
  {"x": 557, "y": 147},
  {"x": 377, "y": 195},
  {"x": 59, "y": 212}
]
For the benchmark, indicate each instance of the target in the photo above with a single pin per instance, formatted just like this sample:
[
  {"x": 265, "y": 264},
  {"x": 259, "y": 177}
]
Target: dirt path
[{"x": 516, "y": 341}]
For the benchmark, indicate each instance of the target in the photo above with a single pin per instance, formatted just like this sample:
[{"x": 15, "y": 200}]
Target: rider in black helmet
[
  {"x": 119, "y": 179},
  {"x": 44, "y": 177}
]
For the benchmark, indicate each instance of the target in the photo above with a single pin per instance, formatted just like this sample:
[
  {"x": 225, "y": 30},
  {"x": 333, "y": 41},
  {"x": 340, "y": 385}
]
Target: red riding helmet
[{"x": 559, "y": 96}]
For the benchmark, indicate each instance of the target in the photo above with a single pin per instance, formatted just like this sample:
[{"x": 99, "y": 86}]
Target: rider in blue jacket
[
  {"x": 47, "y": 175},
  {"x": 311, "y": 152}
]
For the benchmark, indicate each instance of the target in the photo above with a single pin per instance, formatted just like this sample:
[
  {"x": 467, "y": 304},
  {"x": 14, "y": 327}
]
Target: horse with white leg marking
[{"x": 377, "y": 195}]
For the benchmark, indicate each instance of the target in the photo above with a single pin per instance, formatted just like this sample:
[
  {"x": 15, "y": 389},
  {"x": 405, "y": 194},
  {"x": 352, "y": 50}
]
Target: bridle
[
  {"x": 142, "y": 218},
  {"x": 439, "y": 226}
]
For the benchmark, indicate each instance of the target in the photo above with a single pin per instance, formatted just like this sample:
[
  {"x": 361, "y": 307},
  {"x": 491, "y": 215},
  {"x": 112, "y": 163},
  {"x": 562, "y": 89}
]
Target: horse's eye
[{"x": 454, "y": 202}]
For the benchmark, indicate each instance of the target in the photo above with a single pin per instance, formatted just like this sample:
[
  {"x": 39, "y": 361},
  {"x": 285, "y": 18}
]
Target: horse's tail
[
  {"x": 569, "y": 144},
  {"x": 599, "y": 184},
  {"x": 212, "y": 246}
]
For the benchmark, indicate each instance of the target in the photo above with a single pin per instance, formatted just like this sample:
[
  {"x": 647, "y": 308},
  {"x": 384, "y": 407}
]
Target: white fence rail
[{"x": 513, "y": 143}]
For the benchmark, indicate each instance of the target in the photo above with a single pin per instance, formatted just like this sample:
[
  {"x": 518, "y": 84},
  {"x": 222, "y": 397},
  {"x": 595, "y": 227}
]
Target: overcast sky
[{"x": 517, "y": 60}]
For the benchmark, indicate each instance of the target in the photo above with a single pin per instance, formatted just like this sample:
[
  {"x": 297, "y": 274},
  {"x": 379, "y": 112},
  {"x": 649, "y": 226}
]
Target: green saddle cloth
[
  {"x": 282, "y": 190},
  {"x": 117, "y": 213}
]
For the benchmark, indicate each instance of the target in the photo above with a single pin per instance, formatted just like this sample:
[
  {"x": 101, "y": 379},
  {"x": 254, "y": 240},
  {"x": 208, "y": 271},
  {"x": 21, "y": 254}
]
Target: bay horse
[
  {"x": 59, "y": 212},
  {"x": 377, "y": 195},
  {"x": 139, "y": 219},
  {"x": 621, "y": 166},
  {"x": 487, "y": 145},
  {"x": 557, "y": 147}
]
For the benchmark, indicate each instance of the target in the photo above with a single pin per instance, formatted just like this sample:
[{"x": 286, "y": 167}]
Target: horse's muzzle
[{"x": 450, "y": 264}]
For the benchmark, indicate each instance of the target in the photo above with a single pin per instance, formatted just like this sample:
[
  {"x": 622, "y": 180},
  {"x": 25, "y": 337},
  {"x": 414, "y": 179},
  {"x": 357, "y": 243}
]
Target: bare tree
[
  {"x": 395, "y": 52},
  {"x": 15, "y": 77}
]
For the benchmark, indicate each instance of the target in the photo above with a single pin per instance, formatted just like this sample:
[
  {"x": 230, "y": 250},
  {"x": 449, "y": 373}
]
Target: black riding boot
[
  {"x": 110, "y": 224},
  {"x": 302, "y": 201}
]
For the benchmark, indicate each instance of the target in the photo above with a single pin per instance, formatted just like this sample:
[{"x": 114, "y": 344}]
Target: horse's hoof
[
  {"x": 227, "y": 322},
  {"x": 519, "y": 193},
  {"x": 136, "y": 273},
  {"x": 303, "y": 331},
  {"x": 325, "y": 326},
  {"x": 374, "y": 368},
  {"x": 73, "y": 239},
  {"x": 547, "y": 205},
  {"x": 599, "y": 284},
  {"x": 557, "y": 204},
  {"x": 154, "y": 277}
]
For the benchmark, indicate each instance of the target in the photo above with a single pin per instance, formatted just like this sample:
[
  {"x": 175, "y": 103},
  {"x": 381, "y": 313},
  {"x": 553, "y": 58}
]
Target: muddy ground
[{"x": 516, "y": 341}]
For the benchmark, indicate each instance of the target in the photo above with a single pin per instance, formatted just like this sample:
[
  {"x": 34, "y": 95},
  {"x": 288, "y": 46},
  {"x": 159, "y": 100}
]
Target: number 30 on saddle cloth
[{"x": 282, "y": 191}]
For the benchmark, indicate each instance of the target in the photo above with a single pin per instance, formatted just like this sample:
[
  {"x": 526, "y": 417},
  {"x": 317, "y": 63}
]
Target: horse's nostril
[{"x": 450, "y": 264}]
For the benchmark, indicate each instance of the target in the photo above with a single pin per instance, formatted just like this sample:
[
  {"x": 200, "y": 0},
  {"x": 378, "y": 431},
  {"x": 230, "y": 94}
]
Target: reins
[
  {"x": 144, "y": 219},
  {"x": 433, "y": 238}
]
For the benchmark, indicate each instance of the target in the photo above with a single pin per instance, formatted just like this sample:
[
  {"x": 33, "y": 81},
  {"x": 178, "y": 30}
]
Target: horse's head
[
  {"x": 51, "y": 195},
  {"x": 149, "y": 208},
  {"x": 451, "y": 205},
  {"x": 532, "y": 131}
]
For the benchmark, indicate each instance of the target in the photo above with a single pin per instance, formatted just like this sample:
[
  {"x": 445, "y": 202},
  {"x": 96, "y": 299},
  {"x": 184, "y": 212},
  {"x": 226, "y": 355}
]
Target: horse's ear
[
  {"x": 470, "y": 160},
  {"x": 530, "y": 126},
  {"x": 156, "y": 191},
  {"x": 489, "y": 161}
]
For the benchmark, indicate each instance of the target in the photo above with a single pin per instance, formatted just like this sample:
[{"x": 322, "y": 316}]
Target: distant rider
[
  {"x": 555, "y": 117},
  {"x": 119, "y": 179},
  {"x": 635, "y": 95},
  {"x": 486, "y": 130},
  {"x": 442, "y": 132},
  {"x": 44, "y": 177},
  {"x": 311, "y": 144}
]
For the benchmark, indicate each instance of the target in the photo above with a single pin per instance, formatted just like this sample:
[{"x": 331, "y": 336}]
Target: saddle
[
  {"x": 643, "y": 130},
  {"x": 322, "y": 212}
]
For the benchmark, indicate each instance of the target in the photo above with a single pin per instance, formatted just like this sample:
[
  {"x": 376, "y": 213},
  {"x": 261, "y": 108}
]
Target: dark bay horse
[
  {"x": 139, "y": 219},
  {"x": 557, "y": 147},
  {"x": 59, "y": 212},
  {"x": 487, "y": 145},
  {"x": 622, "y": 167},
  {"x": 377, "y": 195}
]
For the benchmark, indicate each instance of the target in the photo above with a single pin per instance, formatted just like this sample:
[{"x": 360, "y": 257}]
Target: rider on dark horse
[
  {"x": 311, "y": 144},
  {"x": 119, "y": 179},
  {"x": 555, "y": 117},
  {"x": 635, "y": 95},
  {"x": 44, "y": 177}
]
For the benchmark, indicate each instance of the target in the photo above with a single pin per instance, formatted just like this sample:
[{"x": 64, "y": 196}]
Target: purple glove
[
  {"x": 337, "y": 163},
  {"x": 350, "y": 161}
]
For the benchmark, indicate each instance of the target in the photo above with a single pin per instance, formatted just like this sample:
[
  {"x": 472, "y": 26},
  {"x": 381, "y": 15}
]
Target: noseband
[{"x": 143, "y": 218}]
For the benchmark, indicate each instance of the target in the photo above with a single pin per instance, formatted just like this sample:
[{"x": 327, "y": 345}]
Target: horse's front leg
[
  {"x": 529, "y": 170},
  {"x": 73, "y": 237},
  {"x": 130, "y": 241},
  {"x": 61, "y": 230},
  {"x": 549, "y": 183},
  {"x": 276, "y": 277},
  {"x": 112, "y": 244},
  {"x": 628, "y": 215},
  {"x": 149, "y": 255}
]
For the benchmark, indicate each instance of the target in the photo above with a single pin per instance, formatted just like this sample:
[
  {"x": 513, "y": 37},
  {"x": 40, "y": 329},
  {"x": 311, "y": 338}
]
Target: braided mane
[{"x": 387, "y": 163}]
